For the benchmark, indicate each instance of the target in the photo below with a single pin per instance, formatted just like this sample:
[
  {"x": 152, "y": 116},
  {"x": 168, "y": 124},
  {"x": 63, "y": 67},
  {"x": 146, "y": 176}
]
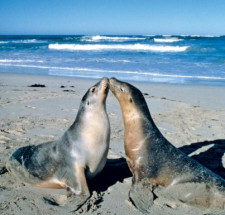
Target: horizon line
[{"x": 144, "y": 35}]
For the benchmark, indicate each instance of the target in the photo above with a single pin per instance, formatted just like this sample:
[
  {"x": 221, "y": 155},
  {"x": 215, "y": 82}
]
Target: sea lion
[
  {"x": 159, "y": 169},
  {"x": 78, "y": 155}
]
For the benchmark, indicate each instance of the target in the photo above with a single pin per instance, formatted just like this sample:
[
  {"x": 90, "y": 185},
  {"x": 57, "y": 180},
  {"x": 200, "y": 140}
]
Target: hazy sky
[{"x": 204, "y": 17}]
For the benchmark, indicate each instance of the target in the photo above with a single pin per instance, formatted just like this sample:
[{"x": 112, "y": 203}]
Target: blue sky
[{"x": 202, "y": 17}]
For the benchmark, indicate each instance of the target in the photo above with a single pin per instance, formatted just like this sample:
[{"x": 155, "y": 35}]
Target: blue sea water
[{"x": 148, "y": 58}]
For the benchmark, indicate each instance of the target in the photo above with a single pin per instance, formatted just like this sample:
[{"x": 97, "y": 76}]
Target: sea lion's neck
[
  {"x": 83, "y": 114},
  {"x": 138, "y": 123},
  {"x": 137, "y": 115}
]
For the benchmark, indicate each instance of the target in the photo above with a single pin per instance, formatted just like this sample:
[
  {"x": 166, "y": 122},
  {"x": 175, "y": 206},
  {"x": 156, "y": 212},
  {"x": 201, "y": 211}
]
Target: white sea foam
[
  {"x": 149, "y": 35},
  {"x": 110, "y": 38},
  {"x": 121, "y": 72},
  {"x": 28, "y": 41},
  {"x": 105, "y": 60},
  {"x": 20, "y": 61},
  {"x": 210, "y": 36},
  {"x": 3, "y": 42},
  {"x": 69, "y": 38},
  {"x": 167, "y": 40},
  {"x": 133, "y": 47},
  {"x": 23, "y": 41}
]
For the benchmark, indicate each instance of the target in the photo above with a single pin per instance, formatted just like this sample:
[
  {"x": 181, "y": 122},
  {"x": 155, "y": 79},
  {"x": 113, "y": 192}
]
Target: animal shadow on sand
[
  {"x": 209, "y": 153},
  {"x": 115, "y": 170}
]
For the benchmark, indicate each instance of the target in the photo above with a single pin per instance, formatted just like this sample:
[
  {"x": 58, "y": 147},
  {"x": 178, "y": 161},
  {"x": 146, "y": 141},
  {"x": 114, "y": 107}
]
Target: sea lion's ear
[{"x": 131, "y": 100}]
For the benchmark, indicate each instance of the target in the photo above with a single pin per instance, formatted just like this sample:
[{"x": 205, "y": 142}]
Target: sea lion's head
[
  {"x": 127, "y": 95},
  {"x": 132, "y": 101},
  {"x": 96, "y": 95}
]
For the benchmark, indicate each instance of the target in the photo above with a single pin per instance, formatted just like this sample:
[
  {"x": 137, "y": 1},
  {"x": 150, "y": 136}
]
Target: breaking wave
[
  {"x": 132, "y": 47},
  {"x": 167, "y": 40},
  {"x": 110, "y": 38}
]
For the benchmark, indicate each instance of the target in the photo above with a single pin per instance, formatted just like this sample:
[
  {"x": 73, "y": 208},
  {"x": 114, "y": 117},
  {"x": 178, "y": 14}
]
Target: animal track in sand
[
  {"x": 4, "y": 139},
  {"x": 13, "y": 132},
  {"x": 92, "y": 204}
]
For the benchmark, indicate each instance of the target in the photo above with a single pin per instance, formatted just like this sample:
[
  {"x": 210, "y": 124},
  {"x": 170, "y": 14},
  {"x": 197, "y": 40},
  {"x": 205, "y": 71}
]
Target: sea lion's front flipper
[
  {"x": 142, "y": 196},
  {"x": 77, "y": 190}
]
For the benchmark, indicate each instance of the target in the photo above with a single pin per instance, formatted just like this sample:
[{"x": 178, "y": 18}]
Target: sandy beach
[{"x": 190, "y": 117}]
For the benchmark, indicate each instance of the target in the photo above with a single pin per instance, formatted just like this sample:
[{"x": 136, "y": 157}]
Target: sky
[{"x": 112, "y": 17}]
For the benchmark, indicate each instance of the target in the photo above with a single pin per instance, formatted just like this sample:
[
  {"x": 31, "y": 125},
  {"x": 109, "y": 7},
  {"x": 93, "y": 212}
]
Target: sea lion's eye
[
  {"x": 93, "y": 89},
  {"x": 131, "y": 100},
  {"x": 121, "y": 89},
  {"x": 88, "y": 103}
]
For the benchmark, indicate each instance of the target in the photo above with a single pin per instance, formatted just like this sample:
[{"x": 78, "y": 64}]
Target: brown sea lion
[
  {"x": 78, "y": 155},
  {"x": 159, "y": 169}
]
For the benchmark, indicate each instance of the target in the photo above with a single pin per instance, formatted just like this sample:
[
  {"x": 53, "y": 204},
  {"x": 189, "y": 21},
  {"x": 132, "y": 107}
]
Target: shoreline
[
  {"x": 201, "y": 82},
  {"x": 132, "y": 81},
  {"x": 159, "y": 89},
  {"x": 190, "y": 117}
]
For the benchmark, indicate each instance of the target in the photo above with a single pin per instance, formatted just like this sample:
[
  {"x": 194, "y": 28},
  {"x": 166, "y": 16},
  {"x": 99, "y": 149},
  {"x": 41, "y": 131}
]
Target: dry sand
[{"x": 191, "y": 117}]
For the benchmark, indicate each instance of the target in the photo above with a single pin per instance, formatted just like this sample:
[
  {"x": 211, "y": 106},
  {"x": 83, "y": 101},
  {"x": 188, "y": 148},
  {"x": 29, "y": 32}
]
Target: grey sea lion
[
  {"x": 159, "y": 169},
  {"x": 78, "y": 155}
]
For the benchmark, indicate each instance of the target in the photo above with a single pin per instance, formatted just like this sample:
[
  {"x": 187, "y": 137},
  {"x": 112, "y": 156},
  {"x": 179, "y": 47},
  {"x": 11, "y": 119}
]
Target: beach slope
[{"x": 37, "y": 109}]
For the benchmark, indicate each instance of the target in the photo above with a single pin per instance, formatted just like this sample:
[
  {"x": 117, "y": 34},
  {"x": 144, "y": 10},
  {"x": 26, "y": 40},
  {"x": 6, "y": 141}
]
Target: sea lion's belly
[
  {"x": 96, "y": 158},
  {"x": 95, "y": 145}
]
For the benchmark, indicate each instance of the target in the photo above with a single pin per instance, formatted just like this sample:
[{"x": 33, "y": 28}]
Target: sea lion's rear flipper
[
  {"x": 142, "y": 196},
  {"x": 194, "y": 194}
]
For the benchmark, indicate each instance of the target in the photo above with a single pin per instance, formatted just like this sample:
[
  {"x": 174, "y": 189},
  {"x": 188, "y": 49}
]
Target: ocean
[{"x": 192, "y": 60}]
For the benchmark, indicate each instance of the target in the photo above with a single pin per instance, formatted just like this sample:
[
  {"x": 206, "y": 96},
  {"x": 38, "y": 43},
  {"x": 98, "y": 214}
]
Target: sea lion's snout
[
  {"x": 105, "y": 84},
  {"x": 112, "y": 84},
  {"x": 105, "y": 80},
  {"x": 113, "y": 81},
  {"x": 117, "y": 87}
]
